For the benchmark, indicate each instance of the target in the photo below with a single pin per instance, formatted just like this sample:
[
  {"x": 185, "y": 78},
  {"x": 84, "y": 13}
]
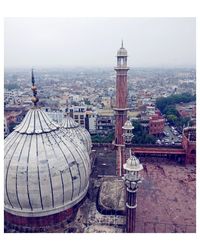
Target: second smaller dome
[{"x": 74, "y": 130}]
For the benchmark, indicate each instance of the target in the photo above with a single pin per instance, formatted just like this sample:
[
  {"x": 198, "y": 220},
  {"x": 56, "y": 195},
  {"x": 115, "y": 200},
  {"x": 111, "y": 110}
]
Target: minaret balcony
[{"x": 122, "y": 68}]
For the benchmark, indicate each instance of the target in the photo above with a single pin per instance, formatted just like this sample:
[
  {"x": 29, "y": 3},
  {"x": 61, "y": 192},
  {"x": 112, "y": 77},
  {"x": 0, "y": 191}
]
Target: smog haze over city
[{"x": 92, "y": 42}]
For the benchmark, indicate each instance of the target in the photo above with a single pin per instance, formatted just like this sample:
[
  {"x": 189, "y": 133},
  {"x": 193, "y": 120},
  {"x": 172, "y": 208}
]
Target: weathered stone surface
[{"x": 111, "y": 195}]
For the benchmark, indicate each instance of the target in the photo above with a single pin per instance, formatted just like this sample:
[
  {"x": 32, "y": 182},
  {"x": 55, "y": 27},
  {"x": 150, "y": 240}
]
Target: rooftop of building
[{"x": 105, "y": 112}]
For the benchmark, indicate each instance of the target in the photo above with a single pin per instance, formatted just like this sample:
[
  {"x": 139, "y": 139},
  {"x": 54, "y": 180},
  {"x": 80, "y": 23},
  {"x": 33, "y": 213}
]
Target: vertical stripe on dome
[
  {"x": 65, "y": 160},
  {"x": 20, "y": 127},
  {"x": 50, "y": 124},
  {"x": 27, "y": 172},
  {"x": 52, "y": 195},
  {"x": 30, "y": 129},
  {"x": 38, "y": 128},
  {"x": 45, "y": 185},
  {"x": 63, "y": 187},
  {"x": 33, "y": 184},
  {"x": 49, "y": 171},
  {"x": 7, "y": 170},
  {"x": 9, "y": 138},
  {"x": 75, "y": 161},
  {"x": 82, "y": 156},
  {"x": 38, "y": 171},
  {"x": 55, "y": 155},
  {"x": 81, "y": 134},
  {"x": 12, "y": 141},
  {"x": 84, "y": 137},
  {"x": 84, "y": 159},
  {"x": 86, "y": 134},
  {"x": 27, "y": 123},
  {"x": 19, "y": 158}
]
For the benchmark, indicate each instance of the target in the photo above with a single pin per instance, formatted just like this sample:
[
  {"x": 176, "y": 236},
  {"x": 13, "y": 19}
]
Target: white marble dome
[
  {"x": 45, "y": 172},
  {"x": 73, "y": 130},
  {"x": 122, "y": 52}
]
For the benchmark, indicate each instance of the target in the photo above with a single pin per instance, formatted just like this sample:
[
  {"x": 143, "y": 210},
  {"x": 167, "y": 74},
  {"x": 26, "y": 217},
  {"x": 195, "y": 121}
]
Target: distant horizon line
[{"x": 97, "y": 67}]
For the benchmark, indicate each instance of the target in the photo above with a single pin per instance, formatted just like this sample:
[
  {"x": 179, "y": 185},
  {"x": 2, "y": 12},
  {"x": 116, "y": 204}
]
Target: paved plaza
[{"x": 166, "y": 201}]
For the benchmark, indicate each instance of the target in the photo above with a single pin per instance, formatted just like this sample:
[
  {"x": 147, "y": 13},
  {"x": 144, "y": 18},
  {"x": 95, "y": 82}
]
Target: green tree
[
  {"x": 182, "y": 122},
  {"x": 163, "y": 102},
  {"x": 101, "y": 138},
  {"x": 172, "y": 119},
  {"x": 167, "y": 106},
  {"x": 170, "y": 110},
  {"x": 141, "y": 136},
  {"x": 137, "y": 126},
  {"x": 149, "y": 139}
]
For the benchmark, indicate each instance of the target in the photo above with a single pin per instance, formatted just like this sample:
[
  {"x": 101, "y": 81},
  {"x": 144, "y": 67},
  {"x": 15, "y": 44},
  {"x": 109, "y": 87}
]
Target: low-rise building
[
  {"x": 91, "y": 121},
  {"x": 189, "y": 144},
  {"x": 78, "y": 113},
  {"x": 186, "y": 110},
  {"x": 105, "y": 120},
  {"x": 106, "y": 102},
  {"x": 156, "y": 124}
]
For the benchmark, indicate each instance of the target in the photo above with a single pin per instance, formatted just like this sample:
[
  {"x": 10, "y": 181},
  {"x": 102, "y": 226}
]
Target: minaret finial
[
  {"x": 34, "y": 99},
  {"x": 122, "y": 46}
]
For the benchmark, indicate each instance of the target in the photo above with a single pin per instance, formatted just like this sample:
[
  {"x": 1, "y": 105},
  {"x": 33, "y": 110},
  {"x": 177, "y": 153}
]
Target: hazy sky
[{"x": 70, "y": 42}]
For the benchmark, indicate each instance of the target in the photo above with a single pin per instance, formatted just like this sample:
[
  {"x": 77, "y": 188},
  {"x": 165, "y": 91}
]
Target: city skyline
[{"x": 92, "y": 42}]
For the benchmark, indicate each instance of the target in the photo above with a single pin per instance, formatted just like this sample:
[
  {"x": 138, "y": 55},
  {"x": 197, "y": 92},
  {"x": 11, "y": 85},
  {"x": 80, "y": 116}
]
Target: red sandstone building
[
  {"x": 156, "y": 124},
  {"x": 189, "y": 144}
]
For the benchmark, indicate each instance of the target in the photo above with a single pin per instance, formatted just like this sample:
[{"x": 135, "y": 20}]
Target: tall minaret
[{"x": 121, "y": 106}]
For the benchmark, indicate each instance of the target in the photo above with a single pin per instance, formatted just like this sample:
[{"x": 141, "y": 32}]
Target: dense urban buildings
[{"x": 93, "y": 87}]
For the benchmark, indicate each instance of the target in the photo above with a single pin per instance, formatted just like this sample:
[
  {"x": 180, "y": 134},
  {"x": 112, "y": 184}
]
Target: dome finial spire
[
  {"x": 34, "y": 99},
  {"x": 32, "y": 76},
  {"x": 122, "y": 46}
]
